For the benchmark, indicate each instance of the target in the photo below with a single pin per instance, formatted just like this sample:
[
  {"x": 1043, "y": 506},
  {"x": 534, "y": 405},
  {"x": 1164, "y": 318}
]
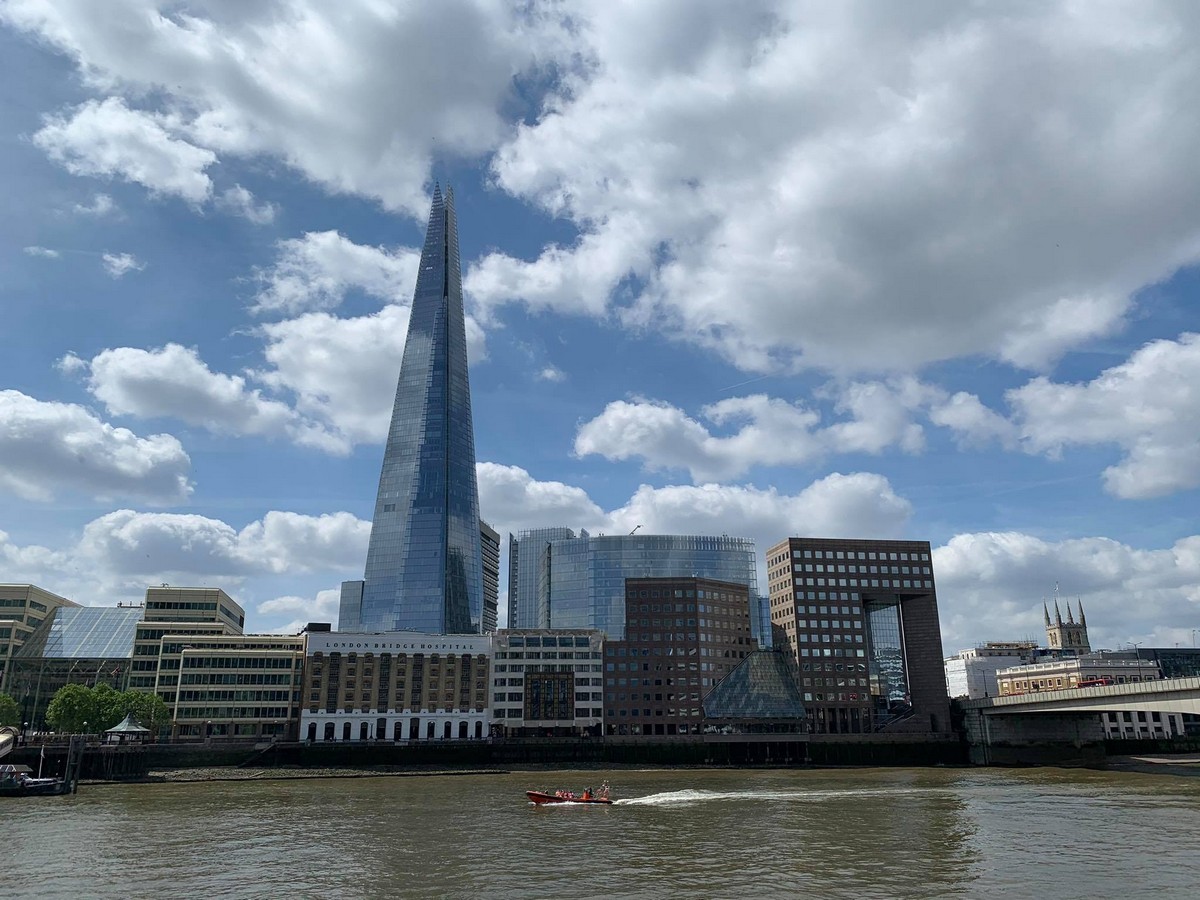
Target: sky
[{"x": 923, "y": 271}]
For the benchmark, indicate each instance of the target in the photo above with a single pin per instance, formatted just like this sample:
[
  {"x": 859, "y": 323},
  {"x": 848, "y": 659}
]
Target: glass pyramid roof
[
  {"x": 762, "y": 687},
  {"x": 84, "y": 632}
]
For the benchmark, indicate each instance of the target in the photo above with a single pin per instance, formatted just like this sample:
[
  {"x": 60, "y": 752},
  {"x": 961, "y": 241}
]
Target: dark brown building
[
  {"x": 861, "y": 619},
  {"x": 682, "y": 636}
]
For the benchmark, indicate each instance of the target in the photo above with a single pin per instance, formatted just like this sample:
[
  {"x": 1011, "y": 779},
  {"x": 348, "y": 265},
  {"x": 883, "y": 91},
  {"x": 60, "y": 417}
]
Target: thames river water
[{"x": 857, "y": 833}]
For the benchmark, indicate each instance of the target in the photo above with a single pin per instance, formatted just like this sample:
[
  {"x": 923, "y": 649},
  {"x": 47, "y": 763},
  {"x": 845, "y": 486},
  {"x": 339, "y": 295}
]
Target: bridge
[{"x": 1065, "y": 726}]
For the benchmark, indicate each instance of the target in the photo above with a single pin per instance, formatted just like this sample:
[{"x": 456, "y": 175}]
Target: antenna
[{"x": 635, "y": 528}]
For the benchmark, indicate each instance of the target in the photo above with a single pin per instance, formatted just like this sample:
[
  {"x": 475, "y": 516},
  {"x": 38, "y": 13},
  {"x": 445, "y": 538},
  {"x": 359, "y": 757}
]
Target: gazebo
[{"x": 126, "y": 732}]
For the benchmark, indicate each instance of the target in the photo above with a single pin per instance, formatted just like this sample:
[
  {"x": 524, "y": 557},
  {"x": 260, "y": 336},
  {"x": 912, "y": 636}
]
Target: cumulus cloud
[
  {"x": 117, "y": 555},
  {"x": 240, "y": 202},
  {"x": 315, "y": 272},
  {"x": 854, "y": 505},
  {"x": 991, "y": 586},
  {"x": 773, "y": 431},
  {"x": 44, "y": 252},
  {"x": 173, "y": 381},
  {"x": 108, "y": 139},
  {"x": 359, "y": 99},
  {"x": 1148, "y": 406},
  {"x": 821, "y": 185},
  {"x": 120, "y": 264},
  {"x": 50, "y": 448},
  {"x": 552, "y": 374},
  {"x": 321, "y": 608}
]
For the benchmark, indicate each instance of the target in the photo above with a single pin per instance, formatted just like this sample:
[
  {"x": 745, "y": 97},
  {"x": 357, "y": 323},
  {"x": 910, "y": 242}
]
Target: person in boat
[{"x": 587, "y": 793}]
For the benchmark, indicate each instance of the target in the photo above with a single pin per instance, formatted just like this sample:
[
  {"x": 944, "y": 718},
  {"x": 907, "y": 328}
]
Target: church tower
[{"x": 1069, "y": 638}]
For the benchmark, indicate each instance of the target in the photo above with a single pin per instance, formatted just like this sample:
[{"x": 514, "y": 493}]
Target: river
[{"x": 857, "y": 833}]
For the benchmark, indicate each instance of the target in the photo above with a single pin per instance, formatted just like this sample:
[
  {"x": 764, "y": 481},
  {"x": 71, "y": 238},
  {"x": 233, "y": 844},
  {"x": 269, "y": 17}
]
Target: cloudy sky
[{"x": 858, "y": 269}]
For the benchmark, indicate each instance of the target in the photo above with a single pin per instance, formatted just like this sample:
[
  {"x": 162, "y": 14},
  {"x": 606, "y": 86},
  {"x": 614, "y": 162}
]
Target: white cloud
[
  {"x": 358, "y": 98},
  {"x": 315, "y": 272},
  {"x": 120, "y": 264},
  {"x": 552, "y": 374},
  {"x": 854, "y": 505},
  {"x": 1148, "y": 406},
  {"x": 818, "y": 184},
  {"x": 512, "y": 500},
  {"x": 50, "y": 448},
  {"x": 44, "y": 252},
  {"x": 181, "y": 548},
  {"x": 991, "y": 587},
  {"x": 775, "y": 432},
  {"x": 239, "y": 201},
  {"x": 101, "y": 205},
  {"x": 108, "y": 139},
  {"x": 321, "y": 608},
  {"x": 343, "y": 371},
  {"x": 173, "y": 381}
]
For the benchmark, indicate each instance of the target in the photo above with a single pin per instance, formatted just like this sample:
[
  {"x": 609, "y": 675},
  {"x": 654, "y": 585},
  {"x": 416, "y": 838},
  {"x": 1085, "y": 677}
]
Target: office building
[
  {"x": 547, "y": 683},
  {"x": 529, "y": 565},
  {"x": 579, "y": 582},
  {"x": 396, "y": 686},
  {"x": 23, "y": 607},
  {"x": 1089, "y": 670},
  {"x": 232, "y": 686},
  {"x": 424, "y": 568},
  {"x": 489, "y": 542},
  {"x": 971, "y": 673},
  {"x": 179, "y": 611},
  {"x": 682, "y": 636},
  {"x": 860, "y": 618}
]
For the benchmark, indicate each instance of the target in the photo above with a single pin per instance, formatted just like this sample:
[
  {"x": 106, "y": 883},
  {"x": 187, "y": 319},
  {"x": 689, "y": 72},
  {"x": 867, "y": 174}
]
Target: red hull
[{"x": 540, "y": 797}]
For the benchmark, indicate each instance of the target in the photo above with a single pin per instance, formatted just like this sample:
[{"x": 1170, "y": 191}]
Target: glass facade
[
  {"x": 528, "y": 576},
  {"x": 85, "y": 632},
  {"x": 424, "y": 565},
  {"x": 579, "y": 582}
]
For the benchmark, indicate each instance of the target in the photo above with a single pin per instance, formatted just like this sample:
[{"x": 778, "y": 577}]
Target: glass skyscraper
[{"x": 424, "y": 566}]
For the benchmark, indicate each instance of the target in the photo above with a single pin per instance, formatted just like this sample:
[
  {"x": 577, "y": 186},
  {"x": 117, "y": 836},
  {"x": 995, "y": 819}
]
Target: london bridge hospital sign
[{"x": 414, "y": 642}]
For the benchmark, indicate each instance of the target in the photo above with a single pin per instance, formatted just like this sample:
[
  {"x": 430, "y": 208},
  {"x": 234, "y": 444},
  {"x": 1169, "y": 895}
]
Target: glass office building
[
  {"x": 579, "y": 582},
  {"x": 424, "y": 567}
]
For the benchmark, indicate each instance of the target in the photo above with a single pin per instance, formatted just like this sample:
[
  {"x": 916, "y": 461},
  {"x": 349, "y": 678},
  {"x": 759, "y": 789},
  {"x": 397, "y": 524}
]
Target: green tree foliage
[
  {"x": 73, "y": 706},
  {"x": 10, "y": 713},
  {"x": 147, "y": 708},
  {"x": 102, "y": 707}
]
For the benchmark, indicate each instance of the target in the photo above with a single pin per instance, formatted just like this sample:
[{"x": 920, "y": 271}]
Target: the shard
[{"x": 424, "y": 570}]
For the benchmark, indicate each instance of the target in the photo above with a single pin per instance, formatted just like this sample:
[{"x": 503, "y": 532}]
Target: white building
[
  {"x": 972, "y": 673},
  {"x": 547, "y": 682}
]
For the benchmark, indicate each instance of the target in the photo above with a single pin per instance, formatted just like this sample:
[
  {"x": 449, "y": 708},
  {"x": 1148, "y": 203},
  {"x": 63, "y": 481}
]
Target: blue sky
[{"x": 768, "y": 269}]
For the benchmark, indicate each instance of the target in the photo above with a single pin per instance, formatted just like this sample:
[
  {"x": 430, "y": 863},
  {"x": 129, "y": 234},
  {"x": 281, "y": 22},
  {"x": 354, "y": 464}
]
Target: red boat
[{"x": 545, "y": 797}]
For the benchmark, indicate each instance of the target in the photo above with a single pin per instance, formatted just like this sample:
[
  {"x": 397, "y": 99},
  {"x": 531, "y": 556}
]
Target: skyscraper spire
[{"x": 424, "y": 567}]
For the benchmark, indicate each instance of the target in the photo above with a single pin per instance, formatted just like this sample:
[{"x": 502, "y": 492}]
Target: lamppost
[{"x": 1137, "y": 655}]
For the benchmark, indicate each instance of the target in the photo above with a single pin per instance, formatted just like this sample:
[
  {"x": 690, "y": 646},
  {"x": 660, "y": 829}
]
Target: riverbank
[
  {"x": 230, "y": 773},
  {"x": 1185, "y": 764}
]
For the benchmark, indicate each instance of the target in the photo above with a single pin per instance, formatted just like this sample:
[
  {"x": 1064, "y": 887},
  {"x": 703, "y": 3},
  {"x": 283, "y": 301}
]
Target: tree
[
  {"x": 147, "y": 708},
  {"x": 110, "y": 707},
  {"x": 73, "y": 707},
  {"x": 10, "y": 713}
]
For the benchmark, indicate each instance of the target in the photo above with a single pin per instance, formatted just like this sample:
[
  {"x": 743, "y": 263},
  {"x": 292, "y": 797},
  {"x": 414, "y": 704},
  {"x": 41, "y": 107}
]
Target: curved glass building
[{"x": 579, "y": 582}]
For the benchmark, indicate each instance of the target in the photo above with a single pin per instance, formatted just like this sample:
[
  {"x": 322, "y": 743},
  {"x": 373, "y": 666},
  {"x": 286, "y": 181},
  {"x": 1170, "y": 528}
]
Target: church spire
[{"x": 1046, "y": 612}]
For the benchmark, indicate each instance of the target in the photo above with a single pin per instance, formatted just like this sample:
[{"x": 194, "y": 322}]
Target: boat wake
[{"x": 690, "y": 797}]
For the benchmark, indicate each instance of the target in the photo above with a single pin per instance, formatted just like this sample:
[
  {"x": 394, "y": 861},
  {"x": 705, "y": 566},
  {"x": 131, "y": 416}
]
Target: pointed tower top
[
  {"x": 1057, "y": 613},
  {"x": 1082, "y": 617},
  {"x": 1070, "y": 617},
  {"x": 1046, "y": 612}
]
